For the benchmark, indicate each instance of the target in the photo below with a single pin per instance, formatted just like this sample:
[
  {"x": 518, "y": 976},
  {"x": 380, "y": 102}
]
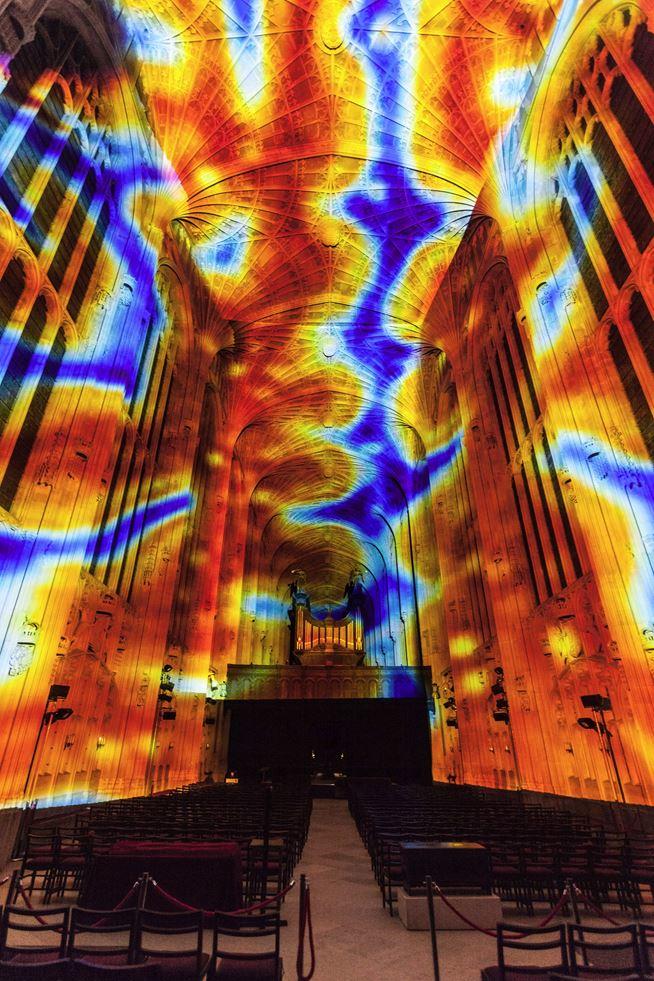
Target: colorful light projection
[{"x": 296, "y": 198}]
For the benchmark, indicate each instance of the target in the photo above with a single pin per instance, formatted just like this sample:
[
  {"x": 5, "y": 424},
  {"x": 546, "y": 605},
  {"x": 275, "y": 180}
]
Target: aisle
[{"x": 355, "y": 938}]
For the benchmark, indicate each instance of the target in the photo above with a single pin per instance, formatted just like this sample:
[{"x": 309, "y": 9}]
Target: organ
[{"x": 327, "y": 640}]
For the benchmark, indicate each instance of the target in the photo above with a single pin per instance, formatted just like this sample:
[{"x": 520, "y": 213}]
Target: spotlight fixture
[
  {"x": 165, "y": 698},
  {"x": 587, "y": 723},
  {"x": 501, "y": 717},
  {"x": 59, "y": 715},
  {"x": 168, "y": 715},
  {"x": 497, "y": 688},
  {"x": 166, "y": 686},
  {"x": 452, "y": 722},
  {"x": 166, "y": 668}
]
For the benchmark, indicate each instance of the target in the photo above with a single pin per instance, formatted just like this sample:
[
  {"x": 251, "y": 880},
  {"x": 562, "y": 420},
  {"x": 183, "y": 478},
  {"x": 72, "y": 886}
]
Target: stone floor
[{"x": 355, "y": 938}]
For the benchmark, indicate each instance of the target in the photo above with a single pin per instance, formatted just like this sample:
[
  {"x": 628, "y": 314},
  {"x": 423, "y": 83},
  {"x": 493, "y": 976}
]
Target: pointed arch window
[{"x": 32, "y": 422}]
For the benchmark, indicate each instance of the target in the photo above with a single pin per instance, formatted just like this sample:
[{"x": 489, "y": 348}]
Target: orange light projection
[{"x": 361, "y": 287}]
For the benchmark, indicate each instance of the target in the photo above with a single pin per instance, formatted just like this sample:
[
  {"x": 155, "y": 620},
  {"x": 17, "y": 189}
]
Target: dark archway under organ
[{"x": 377, "y": 737}]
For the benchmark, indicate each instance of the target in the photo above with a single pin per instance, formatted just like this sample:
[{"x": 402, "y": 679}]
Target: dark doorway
[{"x": 359, "y": 737}]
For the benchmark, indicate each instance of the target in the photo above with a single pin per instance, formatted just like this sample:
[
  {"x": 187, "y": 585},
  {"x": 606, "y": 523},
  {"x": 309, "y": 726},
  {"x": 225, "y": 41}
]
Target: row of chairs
[
  {"x": 74, "y": 942},
  {"x": 534, "y": 850},
  {"x": 573, "y": 950},
  {"x": 61, "y": 859}
]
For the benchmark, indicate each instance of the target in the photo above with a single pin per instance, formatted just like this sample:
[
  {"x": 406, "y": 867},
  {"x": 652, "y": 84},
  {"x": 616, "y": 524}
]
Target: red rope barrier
[
  {"x": 28, "y": 903},
  {"x": 121, "y": 904},
  {"x": 266, "y": 902},
  {"x": 493, "y": 933},
  {"x": 596, "y": 909},
  {"x": 210, "y": 913},
  {"x": 555, "y": 909},
  {"x": 55, "y": 929}
]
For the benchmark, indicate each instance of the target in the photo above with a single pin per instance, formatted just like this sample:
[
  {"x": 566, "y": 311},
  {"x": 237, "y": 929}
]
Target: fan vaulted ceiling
[{"x": 322, "y": 162}]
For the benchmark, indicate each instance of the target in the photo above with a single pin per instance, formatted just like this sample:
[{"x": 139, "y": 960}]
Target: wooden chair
[
  {"x": 39, "y": 859},
  {"x": 21, "y": 929},
  {"x": 102, "y": 937},
  {"x": 247, "y": 959},
  {"x": 608, "y": 951},
  {"x": 646, "y": 944},
  {"x": 528, "y": 940},
  {"x": 157, "y": 936}
]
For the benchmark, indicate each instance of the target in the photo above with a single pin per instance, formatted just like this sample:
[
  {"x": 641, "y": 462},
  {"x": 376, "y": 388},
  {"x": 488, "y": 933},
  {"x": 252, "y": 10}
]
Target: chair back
[
  {"x": 50, "y": 922},
  {"x": 156, "y": 931},
  {"x": 40, "y": 849},
  {"x": 515, "y": 936},
  {"x": 109, "y": 932},
  {"x": 610, "y": 950},
  {"x": 246, "y": 930},
  {"x": 646, "y": 940}
]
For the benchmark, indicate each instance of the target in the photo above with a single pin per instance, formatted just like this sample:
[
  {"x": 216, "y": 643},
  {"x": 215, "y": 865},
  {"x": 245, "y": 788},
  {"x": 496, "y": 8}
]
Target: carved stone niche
[{"x": 22, "y": 653}]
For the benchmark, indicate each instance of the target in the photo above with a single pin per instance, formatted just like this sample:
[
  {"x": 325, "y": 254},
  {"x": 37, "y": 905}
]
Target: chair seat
[
  {"x": 233, "y": 969},
  {"x": 91, "y": 971},
  {"x": 107, "y": 958},
  {"x": 180, "y": 967},
  {"x": 31, "y": 970},
  {"x": 34, "y": 957},
  {"x": 517, "y": 973},
  {"x": 589, "y": 976}
]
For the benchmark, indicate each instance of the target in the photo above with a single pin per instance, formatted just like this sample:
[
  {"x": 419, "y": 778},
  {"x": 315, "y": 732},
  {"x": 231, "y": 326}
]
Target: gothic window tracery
[
  {"x": 52, "y": 182},
  {"x": 27, "y": 436},
  {"x": 606, "y": 203},
  {"x": 551, "y": 552},
  {"x": 633, "y": 389},
  {"x": 118, "y": 539}
]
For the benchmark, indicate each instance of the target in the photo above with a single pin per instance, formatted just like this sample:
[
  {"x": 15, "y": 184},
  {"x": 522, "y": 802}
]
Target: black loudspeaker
[
  {"x": 597, "y": 702},
  {"x": 57, "y": 692},
  {"x": 455, "y": 866}
]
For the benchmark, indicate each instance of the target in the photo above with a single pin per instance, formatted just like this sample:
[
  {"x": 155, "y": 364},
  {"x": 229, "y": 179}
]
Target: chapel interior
[{"x": 326, "y": 432}]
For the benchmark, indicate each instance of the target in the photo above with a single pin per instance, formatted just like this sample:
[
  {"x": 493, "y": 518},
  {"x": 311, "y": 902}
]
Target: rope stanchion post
[
  {"x": 432, "y": 928},
  {"x": 267, "y": 814},
  {"x": 305, "y": 926},
  {"x": 301, "y": 925},
  {"x": 12, "y": 893},
  {"x": 572, "y": 892},
  {"x": 143, "y": 886}
]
